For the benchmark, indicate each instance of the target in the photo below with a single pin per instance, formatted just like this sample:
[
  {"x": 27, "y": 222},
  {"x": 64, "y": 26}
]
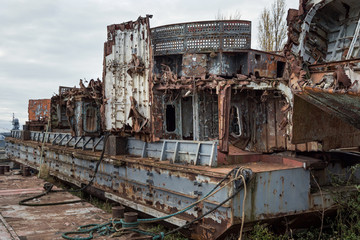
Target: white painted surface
[{"x": 119, "y": 85}]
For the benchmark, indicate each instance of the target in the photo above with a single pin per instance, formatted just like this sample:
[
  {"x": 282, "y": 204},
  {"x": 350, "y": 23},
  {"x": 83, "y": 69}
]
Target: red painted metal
[{"x": 39, "y": 109}]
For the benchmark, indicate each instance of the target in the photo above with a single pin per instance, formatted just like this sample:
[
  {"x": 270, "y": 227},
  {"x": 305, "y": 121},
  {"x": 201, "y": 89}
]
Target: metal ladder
[
  {"x": 354, "y": 40},
  {"x": 338, "y": 39}
]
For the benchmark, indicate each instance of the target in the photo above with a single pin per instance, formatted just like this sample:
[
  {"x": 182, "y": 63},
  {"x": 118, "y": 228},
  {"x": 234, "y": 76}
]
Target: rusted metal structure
[
  {"x": 186, "y": 103},
  {"x": 323, "y": 58},
  {"x": 77, "y": 110},
  {"x": 127, "y": 74},
  {"x": 39, "y": 112},
  {"x": 73, "y": 110},
  {"x": 39, "y": 109}
]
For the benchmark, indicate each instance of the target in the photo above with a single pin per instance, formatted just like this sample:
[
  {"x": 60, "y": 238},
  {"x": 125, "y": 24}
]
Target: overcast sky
[{"x": 48, "y": 43}]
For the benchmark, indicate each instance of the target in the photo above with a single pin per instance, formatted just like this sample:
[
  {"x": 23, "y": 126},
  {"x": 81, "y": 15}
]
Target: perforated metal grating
[{"x": 201, "y": 37}]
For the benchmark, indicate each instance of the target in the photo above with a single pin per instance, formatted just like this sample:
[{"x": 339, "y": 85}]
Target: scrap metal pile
[{"x": 75, "y": 110}]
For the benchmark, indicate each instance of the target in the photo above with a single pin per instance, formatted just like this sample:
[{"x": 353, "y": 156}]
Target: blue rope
[
  {"x": 160, "y": 236},
  {"x": 155, "y": 236},
  {"x": 129, "y": 225},
  {"x": 102, "y": 229}
]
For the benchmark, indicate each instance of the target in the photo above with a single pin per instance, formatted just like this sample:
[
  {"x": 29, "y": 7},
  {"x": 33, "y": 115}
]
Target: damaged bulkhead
[
  {"x": 210, "y": 85},
  {"x": 323, "y": 66},
  {"x": 127, "y": 74},
  {"x": 200, "y": 82},
  {"x": 171, "y": 85},
  {"x": 77, "y": 110}
]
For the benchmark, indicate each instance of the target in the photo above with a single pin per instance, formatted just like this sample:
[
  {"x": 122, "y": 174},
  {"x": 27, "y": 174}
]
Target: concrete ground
[{"x": 46, "y": 222}]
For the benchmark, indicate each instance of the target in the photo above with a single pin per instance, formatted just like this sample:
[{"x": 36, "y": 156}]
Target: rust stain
[
  {"x": 39, "y": 109},
  {"x": 224, "y": 113},
  {"x": 78, "y": 110}
]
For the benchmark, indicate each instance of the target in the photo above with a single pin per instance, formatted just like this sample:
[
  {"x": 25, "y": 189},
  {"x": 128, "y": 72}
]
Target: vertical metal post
[
  {"x": 197, "y": 154},
  {"x": 175, "y": 156},
  {"x": 144, "y": 153},
  {"x": 196, "y": 126},
  {"x": 162, "y": 155}
]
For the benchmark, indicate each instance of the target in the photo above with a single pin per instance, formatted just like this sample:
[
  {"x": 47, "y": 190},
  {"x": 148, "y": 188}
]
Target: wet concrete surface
[{"x": 45, "y": 222}]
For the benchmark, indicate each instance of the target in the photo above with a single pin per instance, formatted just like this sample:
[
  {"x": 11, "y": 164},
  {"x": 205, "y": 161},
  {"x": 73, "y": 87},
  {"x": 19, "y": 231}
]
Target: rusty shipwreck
[{"x": 186, "y": 103}]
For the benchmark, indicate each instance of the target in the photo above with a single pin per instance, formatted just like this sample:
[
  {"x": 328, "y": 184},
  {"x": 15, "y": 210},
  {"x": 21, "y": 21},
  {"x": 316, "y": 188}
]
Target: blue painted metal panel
[
  {"x": 176, "y": 151},
  {"x": 275, "y": 192}
]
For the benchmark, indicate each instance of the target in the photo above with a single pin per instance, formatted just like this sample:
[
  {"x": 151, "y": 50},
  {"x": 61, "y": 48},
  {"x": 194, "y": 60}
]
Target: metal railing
[
  {"x": 176, "y": 151},
  {"x": 228, "y": 35},
  {"x": 63, "y": 139}
]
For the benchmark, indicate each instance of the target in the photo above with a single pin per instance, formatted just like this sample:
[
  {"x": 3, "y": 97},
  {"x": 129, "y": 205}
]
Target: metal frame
[
  {"x": 202, "y": 153},
  {"x": 177, "y": 151},
  {"x": 63, "y": 139}
]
